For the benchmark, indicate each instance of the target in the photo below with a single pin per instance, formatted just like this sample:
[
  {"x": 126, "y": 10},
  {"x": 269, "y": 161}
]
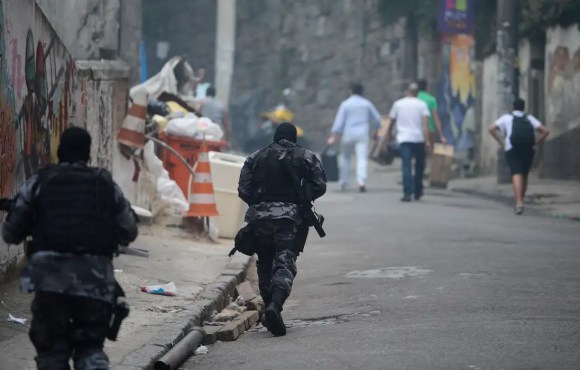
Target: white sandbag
[
  {"x": 193, "y": 127},
  {"x": 168, "y": 195},
  {"x": 211, "y": 130},
  {"x": 171, "y": 193},
  {"x": 153, "y": 164},
  {"x": 185, "y": 126}
]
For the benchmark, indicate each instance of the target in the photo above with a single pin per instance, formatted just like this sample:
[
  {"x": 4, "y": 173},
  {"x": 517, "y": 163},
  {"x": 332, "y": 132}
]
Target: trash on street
[
  {"x": 202, "y": 350},
  {"x": 16, "y": 319},
  {"x": 168, "y": 289}
]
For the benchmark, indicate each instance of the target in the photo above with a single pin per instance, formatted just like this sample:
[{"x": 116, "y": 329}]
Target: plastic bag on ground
[{"x": 168, "y": 289}]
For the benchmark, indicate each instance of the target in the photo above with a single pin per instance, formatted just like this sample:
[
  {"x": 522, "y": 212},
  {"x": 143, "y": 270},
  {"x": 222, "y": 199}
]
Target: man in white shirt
[
  {"x": 213, "y": 109},
  {"x": 356, "y": 120},
  {"x": 410, "y": 115},
  {"x": 518, "y": 129}
]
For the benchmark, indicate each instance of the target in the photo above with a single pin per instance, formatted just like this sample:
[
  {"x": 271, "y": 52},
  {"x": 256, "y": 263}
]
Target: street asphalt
[{"x": 450, "y": 282}]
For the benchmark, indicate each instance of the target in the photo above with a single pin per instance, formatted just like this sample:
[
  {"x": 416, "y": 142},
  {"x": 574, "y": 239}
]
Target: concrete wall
[
  {"x": 488, "y": 148},
  {"x": 561, "y": 151},
  {"x": 531, "y": 65},
  {"x": 101, "y": 98},
  {"x": 42, "y": 92},
  {"x": 37, "y": 99}
]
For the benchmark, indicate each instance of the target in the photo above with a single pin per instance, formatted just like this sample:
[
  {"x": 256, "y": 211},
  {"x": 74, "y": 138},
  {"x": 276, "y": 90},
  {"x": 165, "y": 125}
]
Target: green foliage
[
  {"x": 536, "y": 16},
  {"x": 539, "y": 15}
]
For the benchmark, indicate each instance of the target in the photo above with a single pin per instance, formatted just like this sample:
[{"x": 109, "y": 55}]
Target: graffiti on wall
[
  {"x": 456, "y": 95},
  {"x": 36, "y": 83},
  {"x": 563, "y": 88}
]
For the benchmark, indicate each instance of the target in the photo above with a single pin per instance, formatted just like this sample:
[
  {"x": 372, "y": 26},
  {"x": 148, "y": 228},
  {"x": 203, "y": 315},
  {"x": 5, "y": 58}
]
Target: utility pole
[
  {"x": 507, "y": 81},
  {"x": 225, "y": 49}
]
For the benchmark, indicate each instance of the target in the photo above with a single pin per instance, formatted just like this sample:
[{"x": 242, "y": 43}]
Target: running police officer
[
  {"x": 77, "y": 217},
  {"x": 277, "y": 217}
]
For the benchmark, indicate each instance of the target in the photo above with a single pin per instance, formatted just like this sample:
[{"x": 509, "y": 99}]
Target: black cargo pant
[
  {"x": 279, "y": 244},
  {"x": 67, "y": 326}
]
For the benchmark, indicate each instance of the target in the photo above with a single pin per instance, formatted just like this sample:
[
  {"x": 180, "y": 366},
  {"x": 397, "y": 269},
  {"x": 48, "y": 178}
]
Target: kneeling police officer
[
  {"x": 277, "y": 215},
  {"x": 77, "y": 217}
]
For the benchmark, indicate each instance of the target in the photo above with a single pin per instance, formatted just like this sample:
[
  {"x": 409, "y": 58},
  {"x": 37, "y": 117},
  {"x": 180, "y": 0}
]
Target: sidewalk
[
  {"x": 191, "y": 265},
  {"x": 555, "y": 198}
]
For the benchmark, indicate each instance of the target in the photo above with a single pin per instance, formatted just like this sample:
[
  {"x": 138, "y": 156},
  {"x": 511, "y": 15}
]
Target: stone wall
[
  {"x": 561, "y": 151},
  {"x": 86, "y": 27},
  {"x": 42, "y": 92},
  {"x": 317, "y": 48},
  {"x": 189, "y": 27},
  {"x": 98, "y": 29}
]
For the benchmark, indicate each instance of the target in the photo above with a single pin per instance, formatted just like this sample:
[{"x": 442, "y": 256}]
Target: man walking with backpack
[{"x": 518, "y": 129}]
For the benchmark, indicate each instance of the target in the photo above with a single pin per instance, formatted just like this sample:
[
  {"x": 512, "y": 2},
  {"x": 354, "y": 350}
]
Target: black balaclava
[
  {"x": 286, "y": 131},
  {"x": 75, "y": 145}
]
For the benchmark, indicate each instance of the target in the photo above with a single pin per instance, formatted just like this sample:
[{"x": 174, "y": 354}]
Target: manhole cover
[{"x": 389, "y": 273}]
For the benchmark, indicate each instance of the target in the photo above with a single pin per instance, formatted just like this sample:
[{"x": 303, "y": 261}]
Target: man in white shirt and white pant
[
  {"x": 356, "y": 120},
  {"x": 518, "y": 129},
  {"x": 410, "y": 115}
]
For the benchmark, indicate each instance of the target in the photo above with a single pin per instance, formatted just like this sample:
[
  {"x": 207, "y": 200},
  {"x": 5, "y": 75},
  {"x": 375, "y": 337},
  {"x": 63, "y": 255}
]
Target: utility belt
[{"x": 32, "y": 246}]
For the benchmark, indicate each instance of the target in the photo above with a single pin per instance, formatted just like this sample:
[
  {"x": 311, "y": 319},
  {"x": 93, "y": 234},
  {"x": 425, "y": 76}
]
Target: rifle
[{"x": 310, "y": 216}]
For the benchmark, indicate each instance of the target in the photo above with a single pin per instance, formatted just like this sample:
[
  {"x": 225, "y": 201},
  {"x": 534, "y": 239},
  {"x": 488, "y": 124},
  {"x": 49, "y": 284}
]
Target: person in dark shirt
[
  {"x": 77, "y": 216},
  {"x": 277, "y": 217}
]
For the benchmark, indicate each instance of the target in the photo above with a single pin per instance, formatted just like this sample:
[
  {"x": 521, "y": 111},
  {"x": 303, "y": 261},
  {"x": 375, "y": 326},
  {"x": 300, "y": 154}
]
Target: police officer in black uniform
[
  {"x": 77, "y": 217},
  {"x": 277, "y": 217}
]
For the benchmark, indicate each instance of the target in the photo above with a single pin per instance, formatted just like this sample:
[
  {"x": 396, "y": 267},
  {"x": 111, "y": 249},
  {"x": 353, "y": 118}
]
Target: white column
[{"x": 225, "y": 48}]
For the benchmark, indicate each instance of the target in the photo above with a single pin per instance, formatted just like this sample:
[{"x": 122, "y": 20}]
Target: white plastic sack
[
  {"x": 165, "y": 81},
  {"x": 153, "y": 164},
  {"x": 171, "y": 193},
  {"x": 185, "y": 126},
  {"x": 211, "y": 130},
  {"x": 168, "y": 193},
  {"x": 193, "y": 127}
]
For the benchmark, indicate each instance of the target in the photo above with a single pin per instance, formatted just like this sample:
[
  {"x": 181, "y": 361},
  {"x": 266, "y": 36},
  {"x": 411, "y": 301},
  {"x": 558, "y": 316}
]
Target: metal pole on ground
[{"x": 181, "y": 351}]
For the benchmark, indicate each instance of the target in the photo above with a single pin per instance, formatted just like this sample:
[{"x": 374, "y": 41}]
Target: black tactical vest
[
  {"x": 270, "y": 179},
  {"x": 74, "y": 211}
]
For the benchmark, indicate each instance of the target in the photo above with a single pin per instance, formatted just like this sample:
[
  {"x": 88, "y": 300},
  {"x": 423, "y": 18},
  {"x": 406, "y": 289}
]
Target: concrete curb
[
  {"x": 508, "y": 200},
  {"x": 214, "y": 297}
]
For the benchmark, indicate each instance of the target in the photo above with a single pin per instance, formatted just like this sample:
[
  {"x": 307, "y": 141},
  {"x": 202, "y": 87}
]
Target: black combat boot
[{"x": 273, "y": 320}]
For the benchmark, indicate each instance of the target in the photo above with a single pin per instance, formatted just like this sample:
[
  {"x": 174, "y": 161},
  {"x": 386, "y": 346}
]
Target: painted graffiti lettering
[
  {"x": 36, "y": 101},
  {"x": 7, "y": 153},
  {"x": 17, "y": 70}
]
